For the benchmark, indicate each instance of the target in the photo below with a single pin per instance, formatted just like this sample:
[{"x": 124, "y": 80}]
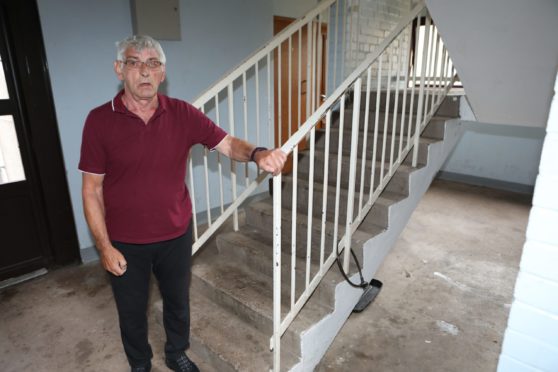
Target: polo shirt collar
[{"x": 118, "y": 105}]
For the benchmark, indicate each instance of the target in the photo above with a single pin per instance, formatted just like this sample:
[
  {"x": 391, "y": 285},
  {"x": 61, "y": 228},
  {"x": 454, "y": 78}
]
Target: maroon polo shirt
[{"x": 144, "y": 190}]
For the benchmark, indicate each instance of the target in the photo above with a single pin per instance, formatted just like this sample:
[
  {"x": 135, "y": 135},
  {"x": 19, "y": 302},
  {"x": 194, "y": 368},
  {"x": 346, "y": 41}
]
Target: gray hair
[{"x": 139, "y": 43}]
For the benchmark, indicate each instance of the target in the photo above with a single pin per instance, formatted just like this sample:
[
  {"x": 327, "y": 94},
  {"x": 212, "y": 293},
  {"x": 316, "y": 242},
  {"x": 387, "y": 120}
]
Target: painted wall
[
  {"x": 495, "y": 155},
  {"x": 506, "y": 54},
  {"x": 293, "y": 8},
  {"x": 79, "y": 39},
  {"x": 530, "y": 342}
]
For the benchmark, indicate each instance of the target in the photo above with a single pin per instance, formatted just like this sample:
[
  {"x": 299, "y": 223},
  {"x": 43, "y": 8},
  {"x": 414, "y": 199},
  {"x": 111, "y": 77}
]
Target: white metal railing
[
  {"x": 376, "y": 149},
  {"x": 246, "y": 95}
]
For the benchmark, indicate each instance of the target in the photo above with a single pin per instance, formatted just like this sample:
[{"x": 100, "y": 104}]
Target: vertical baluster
[
  {"x": 439, "y": 96},
  {"x": 412, "y": 105},
  {"x": 193, "y": 196},
  {"x": 421, "y": 95},
  {"x": 405, "y": 85},
  {"x": 310, "y": 205},
  {"x": 206, "y": 179},
  {"x": 335, "y": 45},
  {"x": 338, "y": 176},
  {"x": 344, "y": 51},
  {"x": 395, "y": 109},
  {"x": 294, "y": 224},
  {"x": 352, "y": 173},
  {"x": 299, "y": 73},
  {"x": 308, "y": 68},
  {"x": 245, "y": 107},
  {"x": 351, "y": 47},
  {"x": 434, "y": 72},
  {"x": 233, "y": 163},
  {"x": 270, "y": 131},
  {"x": 319, "y": 66},
  {"x": 326, "y": 53},
  {"x": 365, "y": 139},
  {"x": 279, "y": 107},
  {"x": 313, "y": 75},
  {"x": 376, "y": 123},
  {"x": 430, "y": 63},
  {"x": 219, "y": 165},
  {"x": 277, "y": 273},
  {"x": 290, "y": 108},
  {"x": 257, "y": 82},
  {"x": 386, "y": 117},
  {"x": 324, "y": 187}
]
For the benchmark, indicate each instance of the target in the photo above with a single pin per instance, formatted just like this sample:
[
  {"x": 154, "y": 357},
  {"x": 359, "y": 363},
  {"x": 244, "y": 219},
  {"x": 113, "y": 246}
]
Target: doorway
[
  {"x": 291, "y": 107},
  {"x": 37, "y": 229}
]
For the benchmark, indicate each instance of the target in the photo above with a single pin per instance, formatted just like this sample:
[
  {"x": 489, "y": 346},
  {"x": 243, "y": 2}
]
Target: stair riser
[
  {"x": 264, "y": 223},
  {"x": 290, "y": 340},
  {"x": 378, "y": 214},
  {"x": 303, "y": 168},
  {"x": 346, "y": 144},
  {"x": 382, "y": 127},
  {"x": 263, "y": 263},
  {"x": 449, "y": 107},
  {"x": 436, "y": 121}
]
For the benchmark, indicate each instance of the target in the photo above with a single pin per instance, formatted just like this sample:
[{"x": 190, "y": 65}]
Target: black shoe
[
  {"x": 181, "y": 364},
  {"x": 144, "y": 368}
]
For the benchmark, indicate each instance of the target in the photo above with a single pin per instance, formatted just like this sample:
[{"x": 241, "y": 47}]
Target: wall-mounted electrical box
[{"x": 159, "y": 19}]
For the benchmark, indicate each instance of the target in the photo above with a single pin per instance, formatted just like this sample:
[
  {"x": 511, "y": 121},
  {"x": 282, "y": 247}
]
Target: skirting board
[{"x": 486, "y": 182}]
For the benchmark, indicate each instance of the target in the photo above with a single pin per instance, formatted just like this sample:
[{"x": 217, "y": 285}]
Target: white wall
[
  {"x": 79, "y": 39},
  {"x": 505, "y": 51},
  {"x": 531, "y": 341}
]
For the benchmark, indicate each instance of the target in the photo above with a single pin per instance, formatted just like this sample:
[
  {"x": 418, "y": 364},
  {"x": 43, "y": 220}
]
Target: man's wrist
[{"x": 256, "y": 150}]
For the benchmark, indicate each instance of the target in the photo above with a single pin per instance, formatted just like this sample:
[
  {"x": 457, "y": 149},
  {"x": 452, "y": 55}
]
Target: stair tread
[
  {"x": 359, "y": 237},
  {"x": 219, "y": 330},
  {"x": 386, "y": 197},
  {"x": 255, "y": 291},
  {"x": 252, "y": 240}
]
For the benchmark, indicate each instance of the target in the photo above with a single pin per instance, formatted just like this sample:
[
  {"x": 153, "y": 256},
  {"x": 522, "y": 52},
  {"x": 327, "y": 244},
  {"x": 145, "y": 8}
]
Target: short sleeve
[
  {"x": 93, "y": 158},
  {"x": 206, "y": 131}
]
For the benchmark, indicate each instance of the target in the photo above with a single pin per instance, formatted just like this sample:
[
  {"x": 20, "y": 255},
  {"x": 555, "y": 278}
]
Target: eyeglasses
[{"x": 136, "y": 64}]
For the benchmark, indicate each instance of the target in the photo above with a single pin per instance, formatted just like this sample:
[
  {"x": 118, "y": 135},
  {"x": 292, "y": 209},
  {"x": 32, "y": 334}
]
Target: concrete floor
[{"x": 448, "y": 287}]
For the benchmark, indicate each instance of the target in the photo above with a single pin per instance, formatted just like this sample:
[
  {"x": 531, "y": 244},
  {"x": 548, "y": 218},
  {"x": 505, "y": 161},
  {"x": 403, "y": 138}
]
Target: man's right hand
[{"x": 113, "y": 261}]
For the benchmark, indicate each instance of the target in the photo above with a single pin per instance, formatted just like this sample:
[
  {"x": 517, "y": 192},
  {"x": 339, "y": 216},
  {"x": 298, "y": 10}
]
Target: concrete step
[
  {"x": 255, "y": 250},
  {"x": 378, "y": 215},
  {"x": 260, "y": 216},
  {"x": 377, "y": 143},
  {"x": 319, "y": 165},
  {"x": 215, "y": 333},
  {"x": 395, "y": 123},
  {"x": 249, "y": 296},
  {"x": 449, "y": 107}
]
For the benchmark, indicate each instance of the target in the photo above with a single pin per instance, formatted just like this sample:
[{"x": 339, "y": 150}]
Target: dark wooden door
[{"x": 36, "y": 224}]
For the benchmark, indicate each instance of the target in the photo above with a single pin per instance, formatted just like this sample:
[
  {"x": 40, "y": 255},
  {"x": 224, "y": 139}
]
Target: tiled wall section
[{"x": 531, "y": 340}]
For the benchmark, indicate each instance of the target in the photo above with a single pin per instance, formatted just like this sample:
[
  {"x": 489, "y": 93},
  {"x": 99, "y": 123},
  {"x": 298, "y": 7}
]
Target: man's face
[{"x": 141, "y": 82}]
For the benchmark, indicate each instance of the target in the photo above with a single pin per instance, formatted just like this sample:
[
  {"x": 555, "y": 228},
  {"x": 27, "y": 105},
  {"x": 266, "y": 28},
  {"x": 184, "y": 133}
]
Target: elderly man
[{"x": 137, "y": 206}]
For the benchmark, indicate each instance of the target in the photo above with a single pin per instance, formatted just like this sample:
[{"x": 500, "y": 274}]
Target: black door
[{"x": 36, "y": 224}]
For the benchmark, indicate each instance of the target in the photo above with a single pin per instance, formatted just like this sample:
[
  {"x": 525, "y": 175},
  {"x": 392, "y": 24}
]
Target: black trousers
[{"x": 170, "y": 262}]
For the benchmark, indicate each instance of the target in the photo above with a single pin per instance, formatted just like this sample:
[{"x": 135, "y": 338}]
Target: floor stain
[{"x": 84, "y": 350}]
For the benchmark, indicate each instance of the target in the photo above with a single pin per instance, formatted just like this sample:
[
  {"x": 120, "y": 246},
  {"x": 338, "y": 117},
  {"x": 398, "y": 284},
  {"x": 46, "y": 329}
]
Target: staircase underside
[{"x": 232, "y": 276}]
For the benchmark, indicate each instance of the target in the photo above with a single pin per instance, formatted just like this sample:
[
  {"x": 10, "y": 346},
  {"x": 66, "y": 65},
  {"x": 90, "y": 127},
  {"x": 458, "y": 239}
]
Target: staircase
[{"x": 232, "y": 276}]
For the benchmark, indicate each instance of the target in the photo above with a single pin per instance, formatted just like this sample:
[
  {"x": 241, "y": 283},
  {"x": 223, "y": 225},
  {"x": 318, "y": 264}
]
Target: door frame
[{"x": 45, "y": 170}]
